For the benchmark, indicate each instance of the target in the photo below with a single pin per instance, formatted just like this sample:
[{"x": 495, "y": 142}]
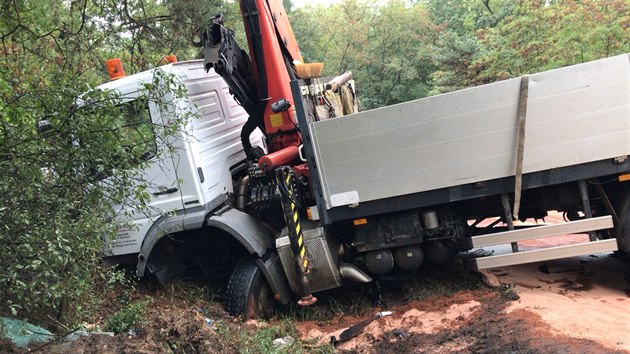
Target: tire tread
[{"x": 239, "y": 286}]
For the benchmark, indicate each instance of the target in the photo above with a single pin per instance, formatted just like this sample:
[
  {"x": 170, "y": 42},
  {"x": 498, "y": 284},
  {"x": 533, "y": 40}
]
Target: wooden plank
[
  {"x": 573, "y": 227},
  {"x": 547, "y": 254}
]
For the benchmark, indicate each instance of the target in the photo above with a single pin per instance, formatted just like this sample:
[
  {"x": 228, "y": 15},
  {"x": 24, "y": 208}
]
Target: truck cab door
[
  {"x": 161, "y": 175},
  {"x": 162, "y": 186}
]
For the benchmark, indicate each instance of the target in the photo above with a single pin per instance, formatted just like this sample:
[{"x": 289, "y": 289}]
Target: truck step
[
  {"x": 549, "y": 253},
  {"x": 566, "y": 228}
]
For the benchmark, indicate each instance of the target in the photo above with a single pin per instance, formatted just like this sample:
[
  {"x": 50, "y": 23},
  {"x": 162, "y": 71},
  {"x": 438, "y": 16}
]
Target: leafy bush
[
  {"x": 127, "y": 318},
  {"x": 61, "y": 189},
  {"x": 52, "y": 205}
]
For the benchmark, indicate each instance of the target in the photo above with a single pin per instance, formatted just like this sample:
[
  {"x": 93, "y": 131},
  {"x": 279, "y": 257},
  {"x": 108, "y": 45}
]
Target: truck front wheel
[{"x": 248, "y": 294}]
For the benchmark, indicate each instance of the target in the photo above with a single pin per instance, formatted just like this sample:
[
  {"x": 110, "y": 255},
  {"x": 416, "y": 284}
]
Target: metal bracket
[{"x": 586, "y": 206}]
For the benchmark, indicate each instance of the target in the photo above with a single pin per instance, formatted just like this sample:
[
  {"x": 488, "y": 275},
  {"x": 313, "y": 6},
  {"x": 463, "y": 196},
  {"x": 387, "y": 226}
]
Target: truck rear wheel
[
  {"x": 248, "y": 294},
  {"x": 622, "y": 229}
]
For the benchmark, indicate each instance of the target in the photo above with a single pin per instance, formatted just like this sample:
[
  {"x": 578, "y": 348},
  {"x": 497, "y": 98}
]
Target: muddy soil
[
  {"x": 580, "y": 305},
  {"x": 482, "y": 325},
  {"x": 487, "y": 329},
  {"x": 577, "y": 305}
]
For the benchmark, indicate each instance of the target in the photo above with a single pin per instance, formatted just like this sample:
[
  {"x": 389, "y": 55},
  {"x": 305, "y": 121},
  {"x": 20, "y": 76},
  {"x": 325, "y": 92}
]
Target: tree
[
  {"x": 459, "y": 29},
  {"x": 540, "y": 36},
  {"x": 385, "y": 42},
  {"x": 288, "y": 6},
  {"x": 54, "y": 195}
]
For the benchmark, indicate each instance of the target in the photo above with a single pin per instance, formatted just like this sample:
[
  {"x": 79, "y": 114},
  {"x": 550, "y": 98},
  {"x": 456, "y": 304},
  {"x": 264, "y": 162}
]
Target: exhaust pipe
[
  {"x": 351, "y": 272},
  {"x": 242, "y": 193}
]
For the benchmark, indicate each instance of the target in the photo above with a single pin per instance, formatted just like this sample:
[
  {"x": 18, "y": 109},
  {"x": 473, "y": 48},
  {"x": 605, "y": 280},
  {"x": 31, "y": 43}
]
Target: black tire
[
  {"x": 248, "y": 295},
  {"x": 622, "y": 229}
]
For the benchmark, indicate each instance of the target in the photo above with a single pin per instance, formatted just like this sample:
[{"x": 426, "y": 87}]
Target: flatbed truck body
[{"x": 575, "y": 115}]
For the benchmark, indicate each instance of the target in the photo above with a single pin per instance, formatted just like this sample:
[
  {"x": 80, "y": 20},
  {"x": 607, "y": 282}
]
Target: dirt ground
[
  {"x": 582, "y": 306},
  {"x": 576, "y": 305},
  {"x": 579, "y": 305}
]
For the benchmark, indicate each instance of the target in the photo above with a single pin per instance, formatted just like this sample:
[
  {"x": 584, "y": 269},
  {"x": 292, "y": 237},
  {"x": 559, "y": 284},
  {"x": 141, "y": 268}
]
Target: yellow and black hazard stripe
[
  {"x": 295, "y": 215},
  {"x": 292, "y": 217}
]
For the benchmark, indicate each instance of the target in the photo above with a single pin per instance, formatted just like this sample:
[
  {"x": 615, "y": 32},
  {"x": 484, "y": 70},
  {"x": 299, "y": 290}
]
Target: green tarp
[{"x": 22, "y": 333}]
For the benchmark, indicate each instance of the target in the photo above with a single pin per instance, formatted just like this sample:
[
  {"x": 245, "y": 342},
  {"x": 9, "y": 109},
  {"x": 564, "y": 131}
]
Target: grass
[
  {"x": 260, "y": 340},
  {"x": 440, "y": 280},
  {"x": 127, "y": 318}
]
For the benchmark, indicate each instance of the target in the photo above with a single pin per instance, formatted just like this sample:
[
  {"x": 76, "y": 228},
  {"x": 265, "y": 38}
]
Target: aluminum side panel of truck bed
[{"x": 575, "y": 115}]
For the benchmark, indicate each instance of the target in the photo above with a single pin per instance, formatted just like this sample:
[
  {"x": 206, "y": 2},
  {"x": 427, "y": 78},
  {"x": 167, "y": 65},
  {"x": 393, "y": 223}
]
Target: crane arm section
[{"x": 258, "y": 82}]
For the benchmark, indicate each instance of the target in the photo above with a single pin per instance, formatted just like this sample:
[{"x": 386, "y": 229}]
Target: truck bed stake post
[
  {"x": 586, "y": 206},
  {"x": 286, "y": 182},
  {"x": 507, "y": 213},
  {"x": 520, "y": 147}
]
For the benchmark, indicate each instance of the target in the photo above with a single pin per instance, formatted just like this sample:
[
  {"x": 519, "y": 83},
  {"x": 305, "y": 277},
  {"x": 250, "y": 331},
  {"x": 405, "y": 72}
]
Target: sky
[{"x": 300, "y": 3}]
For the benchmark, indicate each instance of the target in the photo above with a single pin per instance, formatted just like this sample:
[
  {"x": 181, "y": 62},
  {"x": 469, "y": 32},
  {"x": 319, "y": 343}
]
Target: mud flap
[{"x": 272, "y": 270}]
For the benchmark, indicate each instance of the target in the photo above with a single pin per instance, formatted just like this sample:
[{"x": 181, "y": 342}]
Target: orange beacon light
[{"x": 115, "y": 69}]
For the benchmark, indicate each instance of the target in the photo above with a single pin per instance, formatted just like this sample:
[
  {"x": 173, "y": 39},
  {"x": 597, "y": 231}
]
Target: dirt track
[{"x": 583, "y": 307}]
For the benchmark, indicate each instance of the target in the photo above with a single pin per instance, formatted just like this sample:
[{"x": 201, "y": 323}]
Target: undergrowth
[
  {"x": 260, "y": 340},
  {"x": 189, "y": 316},
  {"x": 129, "y": 317}
]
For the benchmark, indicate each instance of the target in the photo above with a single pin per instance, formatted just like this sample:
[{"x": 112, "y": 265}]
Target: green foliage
[
  {"x": 56, "y": 200},
  {"x": 402, "y": 50},
  {"x": 384, "y": 46},
  {"x": 457, "y": 43},
  {"x": 54, "y": 196},
  {"x": 143, "y": 32},
  {"x": 538, "y": 37},
  {"x": 128, "y": 318}
]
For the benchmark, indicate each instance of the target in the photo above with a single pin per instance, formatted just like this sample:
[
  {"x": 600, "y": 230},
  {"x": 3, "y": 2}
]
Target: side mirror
[{"x": 43, "y": 126}]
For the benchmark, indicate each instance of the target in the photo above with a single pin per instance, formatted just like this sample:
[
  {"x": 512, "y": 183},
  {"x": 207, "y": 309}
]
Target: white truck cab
[{"x": 192, "y": 173}]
